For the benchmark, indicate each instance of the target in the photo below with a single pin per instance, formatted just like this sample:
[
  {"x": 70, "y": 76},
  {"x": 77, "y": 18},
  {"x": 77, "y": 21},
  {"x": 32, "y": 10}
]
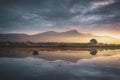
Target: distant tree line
[{"x": 93, "y": 42}]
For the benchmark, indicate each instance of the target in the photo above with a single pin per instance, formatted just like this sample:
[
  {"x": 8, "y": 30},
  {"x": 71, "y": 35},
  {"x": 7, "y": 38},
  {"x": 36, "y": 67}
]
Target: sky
[{"x": 99, "y": 17}]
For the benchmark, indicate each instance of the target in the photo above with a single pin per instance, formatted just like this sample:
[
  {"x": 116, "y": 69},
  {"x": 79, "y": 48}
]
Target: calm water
[{"x": 80, "y": 64}]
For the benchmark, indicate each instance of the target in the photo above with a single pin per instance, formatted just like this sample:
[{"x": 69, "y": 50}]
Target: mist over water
[{"x": 60, "y": 65}]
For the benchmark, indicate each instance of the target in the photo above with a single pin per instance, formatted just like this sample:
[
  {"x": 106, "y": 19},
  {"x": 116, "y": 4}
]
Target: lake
[{"x": 59, "y": 64}]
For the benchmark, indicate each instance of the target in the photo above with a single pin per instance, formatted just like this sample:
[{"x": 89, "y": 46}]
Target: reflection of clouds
[
  {"x": 100, "y": 68},
  {"x": 104, "y": 61}
]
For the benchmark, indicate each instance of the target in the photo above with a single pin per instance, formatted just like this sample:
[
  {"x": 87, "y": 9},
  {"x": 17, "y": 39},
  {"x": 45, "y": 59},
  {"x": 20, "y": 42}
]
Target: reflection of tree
[{"x": 93, "y": 52}]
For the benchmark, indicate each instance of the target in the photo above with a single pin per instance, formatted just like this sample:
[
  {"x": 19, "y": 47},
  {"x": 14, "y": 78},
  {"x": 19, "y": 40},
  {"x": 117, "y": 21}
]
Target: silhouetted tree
[{"x": 93, "y": 41}]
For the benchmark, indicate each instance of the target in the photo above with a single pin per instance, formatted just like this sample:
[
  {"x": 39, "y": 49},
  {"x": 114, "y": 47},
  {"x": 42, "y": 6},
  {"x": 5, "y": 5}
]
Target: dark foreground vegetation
[{"x": 58, "y": 45}]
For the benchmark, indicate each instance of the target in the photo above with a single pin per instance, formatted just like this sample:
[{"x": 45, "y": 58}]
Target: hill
[{"x": 51, "y": 36}]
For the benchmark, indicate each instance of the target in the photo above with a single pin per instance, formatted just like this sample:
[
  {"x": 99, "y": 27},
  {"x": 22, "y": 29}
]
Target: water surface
[{"x": 80, "y": 64}]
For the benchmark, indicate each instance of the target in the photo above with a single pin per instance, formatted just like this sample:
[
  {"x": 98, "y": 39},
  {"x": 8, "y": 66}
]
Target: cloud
[
  {"x": 101, "y": 3},
  {"x": 43, "y": 15}
]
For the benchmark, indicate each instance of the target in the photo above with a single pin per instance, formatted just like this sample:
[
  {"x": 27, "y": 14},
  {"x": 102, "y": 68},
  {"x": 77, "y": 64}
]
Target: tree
[{"x": 93, "y": 41}]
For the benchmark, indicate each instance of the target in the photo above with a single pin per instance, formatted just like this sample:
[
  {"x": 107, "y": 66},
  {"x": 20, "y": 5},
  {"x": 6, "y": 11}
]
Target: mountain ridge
[{"x": 52, "y": 36}]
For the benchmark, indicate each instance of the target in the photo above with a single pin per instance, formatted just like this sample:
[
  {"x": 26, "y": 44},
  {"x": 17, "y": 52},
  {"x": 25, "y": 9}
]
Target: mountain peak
[
  {"x": 72, "y": 32},
  {"x": 50, "y": 32}
]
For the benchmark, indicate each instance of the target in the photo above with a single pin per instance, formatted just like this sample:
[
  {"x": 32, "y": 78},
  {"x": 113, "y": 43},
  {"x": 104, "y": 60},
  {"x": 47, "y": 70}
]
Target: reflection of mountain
[
  {"x": 51, "y": 36},
  {"x": 57, "y": 54},
  {"x": 48, "y": 54}
]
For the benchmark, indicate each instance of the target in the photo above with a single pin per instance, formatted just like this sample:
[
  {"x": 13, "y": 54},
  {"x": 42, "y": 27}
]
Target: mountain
[
  {"x": 52, "y": 36},
  {"x": 13, "y": 37}
]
